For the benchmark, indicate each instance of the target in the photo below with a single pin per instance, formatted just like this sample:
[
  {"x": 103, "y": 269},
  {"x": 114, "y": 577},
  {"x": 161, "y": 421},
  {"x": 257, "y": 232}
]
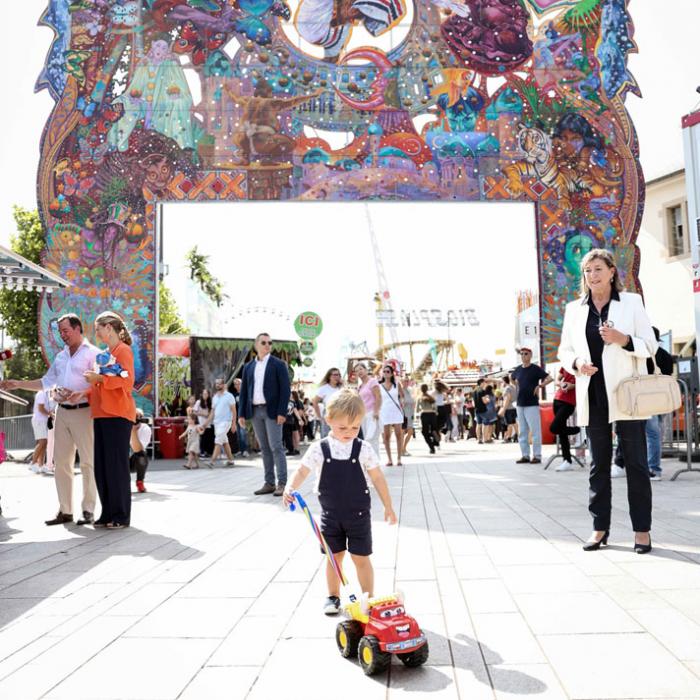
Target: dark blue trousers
[{"x": 112, "y": 474}]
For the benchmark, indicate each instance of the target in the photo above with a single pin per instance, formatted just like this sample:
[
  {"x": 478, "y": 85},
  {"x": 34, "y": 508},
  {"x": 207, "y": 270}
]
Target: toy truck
[{"x": 378, "y": 629}]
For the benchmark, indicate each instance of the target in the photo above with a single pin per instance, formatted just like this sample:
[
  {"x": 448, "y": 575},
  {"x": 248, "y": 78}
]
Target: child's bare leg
[
  {"x": 229, "y": 454},
  {"x": 215, "y": 454},
  {"x": 332, "y": 577},
  {"x": 365, "y": 573}
]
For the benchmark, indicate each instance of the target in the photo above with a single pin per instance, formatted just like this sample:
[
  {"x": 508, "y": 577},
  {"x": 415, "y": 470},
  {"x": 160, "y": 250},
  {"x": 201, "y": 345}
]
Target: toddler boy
[{"x": 342, "y": 463}]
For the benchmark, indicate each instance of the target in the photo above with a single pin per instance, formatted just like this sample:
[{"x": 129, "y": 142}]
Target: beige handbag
[{"x": 648, "y": 394}]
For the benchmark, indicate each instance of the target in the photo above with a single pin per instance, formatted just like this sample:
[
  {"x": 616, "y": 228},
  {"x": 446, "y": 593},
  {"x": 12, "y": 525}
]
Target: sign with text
[
  {"x": 308, "y": 325},
  {"x": 426, "y": 317}
]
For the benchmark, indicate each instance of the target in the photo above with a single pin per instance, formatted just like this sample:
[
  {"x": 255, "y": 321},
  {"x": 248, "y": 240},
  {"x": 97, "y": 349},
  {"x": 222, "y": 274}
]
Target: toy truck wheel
[
  {"x": 347, "y": 637},
  {"x": 415, "y": 658},
  {"x": 372, "y": 658}
]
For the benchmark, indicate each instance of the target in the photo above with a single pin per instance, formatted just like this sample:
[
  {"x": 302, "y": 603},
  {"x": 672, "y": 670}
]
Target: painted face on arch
[{"x": 574, "y": 252}]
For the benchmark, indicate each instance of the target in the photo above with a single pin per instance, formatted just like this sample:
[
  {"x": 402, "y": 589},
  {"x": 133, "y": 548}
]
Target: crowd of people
[{"x": 84, "y": 405}]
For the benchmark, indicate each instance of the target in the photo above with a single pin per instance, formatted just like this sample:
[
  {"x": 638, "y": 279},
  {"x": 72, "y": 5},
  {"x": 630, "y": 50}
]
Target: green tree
[
  {"x": 199, "y": 271},
  {"x": 169, "y": 320},
  {"x": 18, "y": 310}
]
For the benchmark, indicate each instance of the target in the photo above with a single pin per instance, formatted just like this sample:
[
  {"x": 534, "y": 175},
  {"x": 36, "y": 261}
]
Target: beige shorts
[{"x": 221, "y": 433}]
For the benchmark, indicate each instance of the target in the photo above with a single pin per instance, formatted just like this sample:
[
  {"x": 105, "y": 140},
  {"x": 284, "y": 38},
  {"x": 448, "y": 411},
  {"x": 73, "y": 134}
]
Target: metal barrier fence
[
  {"x": 680, "y": 434},
  {"x": 18, "y": 433}
]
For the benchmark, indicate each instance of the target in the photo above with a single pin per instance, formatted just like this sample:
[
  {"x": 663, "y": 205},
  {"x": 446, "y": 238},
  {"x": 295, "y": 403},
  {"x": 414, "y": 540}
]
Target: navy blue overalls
[{"x": 344, "y": 496}]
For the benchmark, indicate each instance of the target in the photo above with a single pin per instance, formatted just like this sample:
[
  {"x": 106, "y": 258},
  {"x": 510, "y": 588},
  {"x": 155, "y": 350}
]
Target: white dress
[{"x": 390, "y": 413}]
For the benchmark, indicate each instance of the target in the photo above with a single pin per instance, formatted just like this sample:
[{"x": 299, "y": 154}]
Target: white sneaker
[
  {"x": 564, "y": 467},
  {"x": 616, "y": 472},
  {"x": 47, "y": 471},
  {"x": 245, "y": 453},
  {"x": 655, "y": 476},
  {"x": 34, "y": 468}
]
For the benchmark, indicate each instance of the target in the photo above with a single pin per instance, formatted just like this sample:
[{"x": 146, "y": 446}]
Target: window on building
[{"x": 677, "y": 243}]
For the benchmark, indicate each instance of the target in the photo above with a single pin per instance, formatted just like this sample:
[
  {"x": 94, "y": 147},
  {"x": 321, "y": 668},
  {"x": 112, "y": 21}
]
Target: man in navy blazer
[{"x": 264, "y": 399}]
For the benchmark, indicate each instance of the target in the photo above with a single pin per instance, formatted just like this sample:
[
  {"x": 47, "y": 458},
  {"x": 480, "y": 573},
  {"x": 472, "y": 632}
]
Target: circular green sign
[
  {"x": 308, "y": 325},
  {"x": 307, "y": 362},
  {"x": 307, "y": 347}
]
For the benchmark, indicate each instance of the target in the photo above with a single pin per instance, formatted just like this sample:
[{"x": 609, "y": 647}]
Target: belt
[
  {"x": 73, "y": 406},
  {"x": 259, "y": 404}
]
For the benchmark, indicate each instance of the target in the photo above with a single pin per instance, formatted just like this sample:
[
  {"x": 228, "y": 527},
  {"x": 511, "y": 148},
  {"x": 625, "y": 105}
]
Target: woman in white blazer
[{"x": 606, "y": 337}]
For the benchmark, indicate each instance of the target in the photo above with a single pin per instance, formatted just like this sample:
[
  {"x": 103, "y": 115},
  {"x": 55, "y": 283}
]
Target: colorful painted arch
[{"x": 481, "y": 100}]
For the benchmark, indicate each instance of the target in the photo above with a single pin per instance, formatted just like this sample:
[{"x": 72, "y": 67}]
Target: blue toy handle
[{"x": 300, "y": 500}]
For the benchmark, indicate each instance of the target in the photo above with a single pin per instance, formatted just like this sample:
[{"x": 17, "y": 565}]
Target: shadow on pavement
[{"x": 33, "y": 572}]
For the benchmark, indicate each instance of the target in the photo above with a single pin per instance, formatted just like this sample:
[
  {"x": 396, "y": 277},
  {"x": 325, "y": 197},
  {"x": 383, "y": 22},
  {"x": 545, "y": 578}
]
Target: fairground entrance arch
[{"x": 481, "y": 100}]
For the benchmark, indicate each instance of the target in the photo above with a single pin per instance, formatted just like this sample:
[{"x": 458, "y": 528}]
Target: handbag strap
[{"x": 392, "y": 398}]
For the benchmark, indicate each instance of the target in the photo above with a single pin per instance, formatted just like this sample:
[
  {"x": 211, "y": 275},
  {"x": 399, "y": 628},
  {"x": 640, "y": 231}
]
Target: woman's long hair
[
  {"x": 607, "y": 257},
  {"x": 425, "y": 395},
  {"x": 109, "y": 318},
  {"x": 440, "y": 387},
  {"x": 393, "y": 375}
]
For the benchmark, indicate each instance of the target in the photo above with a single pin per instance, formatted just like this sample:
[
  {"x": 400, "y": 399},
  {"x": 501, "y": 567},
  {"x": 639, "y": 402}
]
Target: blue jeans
[
  {"x": 529, "y": 421},
  {"x": 269, "y": 435},
  {"x": 242, "y": 439},
  {"x": 653, "y": 433}
]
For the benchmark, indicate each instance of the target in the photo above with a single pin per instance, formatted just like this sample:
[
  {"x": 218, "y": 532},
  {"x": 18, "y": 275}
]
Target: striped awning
[{"x": 19, "y": 273}]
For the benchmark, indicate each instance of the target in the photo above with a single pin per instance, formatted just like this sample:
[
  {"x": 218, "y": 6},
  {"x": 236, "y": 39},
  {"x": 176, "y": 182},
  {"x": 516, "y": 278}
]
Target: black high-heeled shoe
[
  {"x": 643, "y": 548},
  {"x": 592, "y": 546}
]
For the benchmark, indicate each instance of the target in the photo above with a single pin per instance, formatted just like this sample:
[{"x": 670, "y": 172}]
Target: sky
[
  {"x": 428, "y": 265},
  {"x": 317, "y": 250}
]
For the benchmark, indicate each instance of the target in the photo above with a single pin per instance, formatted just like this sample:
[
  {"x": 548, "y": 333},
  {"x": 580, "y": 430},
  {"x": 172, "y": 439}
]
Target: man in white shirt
[
  {"x": 73, "y": 424},
  {"x": 223, "y": 416}
]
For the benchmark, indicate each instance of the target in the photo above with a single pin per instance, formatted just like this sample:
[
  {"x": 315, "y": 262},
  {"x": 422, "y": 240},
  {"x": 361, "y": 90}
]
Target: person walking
[
  {"x": 391, "y": 413},
  {"x": 480, "y": 410},
  {"x": 564, "y": 406},
  {"x": 202, "y": 409},
  {"x": 491, "y": 415},
  {"x": 444, "y": 409},
  {"x": 606, "y": 333},
  {"x": 371, "y": 396},
  {"x": 73, "y": 427},
  {"x": 664, "y": 361},
  {"x": 428, "y": 418},
  {"x": 242, "y": 433},
  {"x": 409, "y": 415},
  {"x": 141, "y": 433},
  {"x": 113, "y": 412},
  {"x": 508, "y": 411},
  {"x": 40, "y": 427},
  {"x": 332, "y": 381},
  {"x": 265, "y": 395},
  {"x": 223, "y": 418},
  {"x": 529, "y": 378}
]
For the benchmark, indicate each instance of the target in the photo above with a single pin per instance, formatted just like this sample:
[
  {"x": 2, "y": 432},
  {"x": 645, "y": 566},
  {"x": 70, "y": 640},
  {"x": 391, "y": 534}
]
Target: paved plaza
[{"x": 216, "y": 593}]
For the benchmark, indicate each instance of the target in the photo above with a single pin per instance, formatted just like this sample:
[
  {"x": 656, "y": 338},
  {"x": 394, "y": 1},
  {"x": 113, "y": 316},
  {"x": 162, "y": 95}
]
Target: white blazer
[{"x": 628, "y": 316}]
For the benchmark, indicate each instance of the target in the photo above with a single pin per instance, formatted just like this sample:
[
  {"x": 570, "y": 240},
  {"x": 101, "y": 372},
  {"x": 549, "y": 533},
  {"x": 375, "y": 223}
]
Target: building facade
[{"x": 666, "y": 266}]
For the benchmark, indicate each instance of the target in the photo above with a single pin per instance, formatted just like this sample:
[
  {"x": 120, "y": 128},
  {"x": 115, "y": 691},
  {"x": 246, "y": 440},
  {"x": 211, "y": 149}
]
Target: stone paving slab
[{"x": 215, "y": 593}]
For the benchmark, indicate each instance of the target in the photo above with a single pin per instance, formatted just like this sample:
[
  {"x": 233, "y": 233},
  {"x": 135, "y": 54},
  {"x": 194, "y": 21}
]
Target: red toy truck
[{"x": 378, "y": 629}]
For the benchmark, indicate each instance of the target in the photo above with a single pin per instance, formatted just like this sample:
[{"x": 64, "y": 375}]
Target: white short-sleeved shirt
[
  {"x": 144, "y": 433},
  {"x": 39, "y": 400},
  {"x": 325, "y": 391},
  {"x": 313, "y": 459}
]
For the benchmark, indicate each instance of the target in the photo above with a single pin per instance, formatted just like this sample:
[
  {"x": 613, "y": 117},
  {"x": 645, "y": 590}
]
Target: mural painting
[{"x": 333, "y": 100}]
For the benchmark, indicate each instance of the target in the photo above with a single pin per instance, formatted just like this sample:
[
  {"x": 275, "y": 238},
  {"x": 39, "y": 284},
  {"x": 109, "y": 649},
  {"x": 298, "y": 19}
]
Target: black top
[
  {"x": 597, "y": 395},
  {"x": 528, "y": 378},
  {"x": 479, "y": 405},
  {"x": 664, "y": 361}
]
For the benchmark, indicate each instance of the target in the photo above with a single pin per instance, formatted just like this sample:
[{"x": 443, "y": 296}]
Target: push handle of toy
[{"x": 301, "y": 501}]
